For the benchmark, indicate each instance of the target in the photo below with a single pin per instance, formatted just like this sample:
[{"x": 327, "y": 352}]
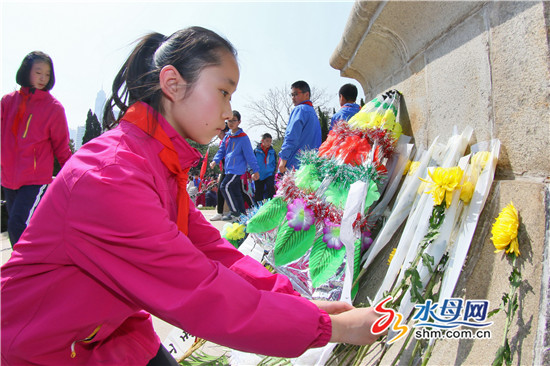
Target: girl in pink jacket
[
  {"x": 34, "y": 129},
  {"x": 117, "y": 238}
]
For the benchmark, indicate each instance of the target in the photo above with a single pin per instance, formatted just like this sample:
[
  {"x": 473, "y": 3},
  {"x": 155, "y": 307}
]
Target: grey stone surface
[
  {"x": 520, "y": 59},
  {"x": 484, "y": 65}
]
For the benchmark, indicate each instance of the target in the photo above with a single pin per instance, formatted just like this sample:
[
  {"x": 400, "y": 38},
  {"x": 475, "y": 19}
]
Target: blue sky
[{"x": 278, "y": 42}]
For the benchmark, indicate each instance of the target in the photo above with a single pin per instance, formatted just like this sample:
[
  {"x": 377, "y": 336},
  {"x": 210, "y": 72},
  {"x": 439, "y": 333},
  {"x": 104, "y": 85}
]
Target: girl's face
[
  {"x": 40, "y": 75},
  {"x": 201, "y": 114}
]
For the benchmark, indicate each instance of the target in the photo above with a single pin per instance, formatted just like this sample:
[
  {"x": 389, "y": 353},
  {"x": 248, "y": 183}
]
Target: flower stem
[
  {"x": 428, "y": 353},
  {"x": 402, "y": 349}
]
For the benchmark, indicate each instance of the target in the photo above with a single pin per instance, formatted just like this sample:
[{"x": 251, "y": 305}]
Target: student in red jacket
[
  {"x": 34, "y": 130},
  {"x": 117, "y": 237}
]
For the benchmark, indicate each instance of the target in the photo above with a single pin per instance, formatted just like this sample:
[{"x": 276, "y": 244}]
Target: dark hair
[
  {"x": 349, "y": 92},
  {"x": 237, "y": 114},
  {"x": 23, "y": 74},
  {"x": 266, "y": 136},
  {"x": 302, "y": 86},
  {"x": 189, "y": 50}
]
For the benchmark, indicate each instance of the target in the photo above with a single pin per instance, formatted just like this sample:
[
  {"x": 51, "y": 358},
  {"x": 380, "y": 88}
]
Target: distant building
[
  {"x": 79, "y": 136},
  {"x": 100, "y": 101},
  {"x": 72, "y": 134}
]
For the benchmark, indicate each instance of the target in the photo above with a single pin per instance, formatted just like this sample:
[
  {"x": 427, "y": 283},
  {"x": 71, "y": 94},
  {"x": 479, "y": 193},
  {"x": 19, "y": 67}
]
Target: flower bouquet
[
  {"x": 439, "y": 229},
  {"x": 301, "y": 226}
]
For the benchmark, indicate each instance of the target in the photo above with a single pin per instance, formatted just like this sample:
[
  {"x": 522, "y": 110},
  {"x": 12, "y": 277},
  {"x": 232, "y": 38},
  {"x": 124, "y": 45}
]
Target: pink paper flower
[
  {"x": 366, "y": 240},
  {"x": 299, "y": 216},
  {"x": 331, "y": 235}
]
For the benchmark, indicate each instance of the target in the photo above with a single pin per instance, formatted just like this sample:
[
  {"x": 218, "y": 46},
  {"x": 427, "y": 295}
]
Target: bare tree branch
[{"x": 272, "y": 110}]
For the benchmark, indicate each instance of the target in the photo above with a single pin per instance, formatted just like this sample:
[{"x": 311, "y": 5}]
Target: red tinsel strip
[
  {"x": 342, "y": 135},
  {"x": 322, "y": 210}
]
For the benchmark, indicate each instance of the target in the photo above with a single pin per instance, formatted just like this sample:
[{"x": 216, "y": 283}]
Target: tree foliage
[
  {"x": 212, "y": 149},
  {"x": 56, "y": 165},
  {"x": 93, "y": 128},
  {"x": 324, "y": 120},
  {"x": 272, "y": 110}
]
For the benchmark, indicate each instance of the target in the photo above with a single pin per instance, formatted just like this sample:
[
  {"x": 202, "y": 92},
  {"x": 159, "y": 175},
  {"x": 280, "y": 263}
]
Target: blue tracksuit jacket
[{"x": 237, "y": 151}]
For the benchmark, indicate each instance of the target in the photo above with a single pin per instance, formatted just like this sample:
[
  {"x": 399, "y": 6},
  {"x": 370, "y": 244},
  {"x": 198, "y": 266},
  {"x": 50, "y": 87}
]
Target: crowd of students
[{"x": 252, "y": 187}]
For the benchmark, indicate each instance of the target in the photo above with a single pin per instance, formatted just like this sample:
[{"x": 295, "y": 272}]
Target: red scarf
[
  {"x": 141, "y": 116},
  {"x": 21, "y": 109},
  {"x": 308, "y": 102},
  {"x": 230, "y": 136}
]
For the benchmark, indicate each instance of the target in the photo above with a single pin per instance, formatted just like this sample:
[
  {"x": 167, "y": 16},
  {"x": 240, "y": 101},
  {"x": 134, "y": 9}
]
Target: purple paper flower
[
  {"x": 299, "y": 216},
  {"x": 366, "y": 240},
  {"x": 331, "y": 235}
]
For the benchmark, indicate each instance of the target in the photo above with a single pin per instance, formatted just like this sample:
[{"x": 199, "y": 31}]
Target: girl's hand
[
  {"x": 212, "y": 164},
  {"x": 256, "y": 176},
  {"x": 333, "y": 307},
  {"x": 353, "y": 326}
]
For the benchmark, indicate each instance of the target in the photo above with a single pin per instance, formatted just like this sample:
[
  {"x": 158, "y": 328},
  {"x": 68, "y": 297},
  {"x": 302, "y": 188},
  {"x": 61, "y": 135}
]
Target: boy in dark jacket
[{"x": 267, "y": 160}]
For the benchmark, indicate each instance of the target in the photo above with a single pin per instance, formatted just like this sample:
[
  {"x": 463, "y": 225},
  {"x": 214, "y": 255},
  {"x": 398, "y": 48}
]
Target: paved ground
[{"x": 162, "y": 328}]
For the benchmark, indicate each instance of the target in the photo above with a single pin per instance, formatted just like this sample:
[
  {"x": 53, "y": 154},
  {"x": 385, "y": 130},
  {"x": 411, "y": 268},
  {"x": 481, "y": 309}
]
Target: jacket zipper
[
  {"x": 27, "y": 128},
  {"x": 88, "y": 339}
]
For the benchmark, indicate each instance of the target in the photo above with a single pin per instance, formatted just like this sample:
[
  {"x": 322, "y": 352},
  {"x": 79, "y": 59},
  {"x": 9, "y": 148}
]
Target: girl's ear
[{"x": 171, "y": 82}]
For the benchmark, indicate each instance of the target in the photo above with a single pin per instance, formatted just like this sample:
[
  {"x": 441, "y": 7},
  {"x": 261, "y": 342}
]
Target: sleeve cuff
[{"x": 324, "y": 330}]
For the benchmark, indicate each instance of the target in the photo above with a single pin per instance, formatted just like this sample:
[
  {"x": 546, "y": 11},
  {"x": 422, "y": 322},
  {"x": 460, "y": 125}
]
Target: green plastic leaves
[
  {"x": 307, "y": 177},
  {"x": 324, "y": 262},
  {"x": 291, "y": 245},
  {"x": 372, "y": 195},
  {"x": 268, "y": 217}
]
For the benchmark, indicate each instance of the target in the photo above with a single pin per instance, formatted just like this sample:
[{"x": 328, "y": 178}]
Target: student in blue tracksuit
[
  {"x": 347, "y": 95},
  {"x": 267, "y": 160},
  {"x": 238, "y": 154},
  {"x": 303, "y": 131}
]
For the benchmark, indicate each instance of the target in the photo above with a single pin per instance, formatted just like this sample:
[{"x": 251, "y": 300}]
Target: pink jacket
[
  {"x": 43, "y": 133},
  {"x": 102, "y": 251}
]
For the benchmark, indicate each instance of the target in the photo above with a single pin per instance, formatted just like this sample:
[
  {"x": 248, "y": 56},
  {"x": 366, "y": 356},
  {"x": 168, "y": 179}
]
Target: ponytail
[
  {"x": 189, "y": 50},
  {"x": 136, "y": 80}
]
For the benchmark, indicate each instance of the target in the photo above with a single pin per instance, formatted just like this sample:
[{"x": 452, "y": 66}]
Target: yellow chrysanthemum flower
[
  {"x": 365, "y": 120},
  {"x": 444, "y": 182},
  {"x": 481, "y": 159},
  {"x": 391, "y": 255},
  {"x": 407, "y": 167},
  {"x": 467, "y": 192},
  {"x": 505, "y": 230},
  {"x": 234, "y": 231},
  {"x": 414, "y": 166},
  {"x": 388, "y": 118}
]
